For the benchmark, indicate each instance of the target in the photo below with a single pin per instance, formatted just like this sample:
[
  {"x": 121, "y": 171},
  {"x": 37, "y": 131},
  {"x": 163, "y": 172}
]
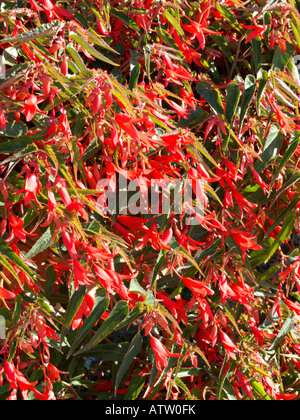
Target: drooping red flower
[
  {"x": 80, "y": 275},
  {"x": 198, "y": 287},
  {"x": 53, "y": 373},
  {"x": 198, "y": 30},
  {"x": 125, "y": 122},
  {"x": 32, "y": 188},
  {"x": 2, "y": 119},
  {"x": 161, "y": 353},
  {"x": 6, "y": 294},
  {"x": 258, "y": 30},
  {"x": 84, "y": 310},
  {"x": 229, "y": 345},
  {"x": 31, "y": 107},
  {"x": 17, "y": 230},
  {"x": 244, "y": 240}
]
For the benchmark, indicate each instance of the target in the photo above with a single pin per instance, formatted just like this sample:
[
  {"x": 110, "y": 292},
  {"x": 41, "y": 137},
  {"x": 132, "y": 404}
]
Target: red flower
[
  {"x": 198, "y": 287},
  {"x": 229, "y": 345},
  {"x": 17, "y": 379},
  {"x": 293, "y": 306},
  {"x": 198, "y": 30},
  {"x": 32, "y": 188},
  {"x": 80, "y": 275},
  {"x": 244, "y": 240},
  {"x": 161, "y": 353},
  {"x": 17, "y": 229},
  {"x": 5, "y": 294},
  {"x": 31, "y": 107},
  {"x": 85, "y": 309},
  {"x": 125, "y": 122},
  {"x": 2, "y": 119},
  {"x": 53, "y": 372},
  {"x": 70, "y": 245},
  {"x": 258, "y": 30}
]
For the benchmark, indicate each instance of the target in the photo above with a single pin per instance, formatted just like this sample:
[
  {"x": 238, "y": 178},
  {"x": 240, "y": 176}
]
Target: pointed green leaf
[
  {"x": 74, "y": 304},
  {"x": 281, "y": 59},
  {"x": 135, "y": 387},
  {"x": 100, "y": 307},
  {"x": 132, "y": 352},
  {"x": 232, "y": 100},
  {"x": 211, "y": 96},
  {"x": 249, "y": 90},
  {"x": 256, "y": 44},
  {"x": 77, "y": 59},
  {"x": 261, "y": 88},
  {"x": 12, "y": 256},
  {"x": 271, "y": 148},
  {"x": 293, "y": 144},
  {"x": 15, "y": 129},
  {"x": 286, "y": 328},
  {"x": 134, "y": 73},
  {"x": 91, "y": 49},
  {"x": 42, "y": 243},
  {"x": 125, "y": 19},
  {"x": 283, "y": 234},
  {"x": 294, "y": 202},
  {"x": 136, "y": 313},
  {"x": 224, "y": 47},
  {"x": 117, "y": 315},
  {"x": 175, "y": 24},
  {"x": 13, "y": 146}
]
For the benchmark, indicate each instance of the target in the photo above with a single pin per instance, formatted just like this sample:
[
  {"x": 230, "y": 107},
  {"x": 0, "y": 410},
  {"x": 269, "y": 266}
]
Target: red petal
[{"x": 5, "y": 294}]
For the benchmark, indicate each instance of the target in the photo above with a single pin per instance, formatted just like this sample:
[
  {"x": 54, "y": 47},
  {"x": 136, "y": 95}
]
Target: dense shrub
[{"x": 146, "y": 305}]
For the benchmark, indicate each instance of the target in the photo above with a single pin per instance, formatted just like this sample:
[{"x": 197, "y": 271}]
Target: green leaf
[
  {"x": 175, "y": 24},
  {"x": 211, "y": 96},
  {"x": 74, "y": 304},
  {"x": 224, "y": 47},
  {"x": 14, "y": 129},
  {"x": 41, "y": 31},
  {"x": 77, "y": 59},
  {"x": 125, "y": 19},
  {"x": 293, "y": 144},
  {"x": 132, "y": 352},
  {"x": 135, "y": 387},
  {"x": 294, "y": 202},
  {"x": 194, "y": 119},
  {"x": 100, "y": 307},
  {"x": 14, "y": 146},
  {"x": 232, "y": 99},
  {"x": 281, "y": 59},
  {"x": 136, "y": 313},
  {"x": 168, "y": 40},
  {"x": 134, "y": 73},
  {"x": 261, "y": 88},
  {"x": 284, "y": 232},
  {"x": 91, "y": 49},
  {"x": 286, "y": 328},
  {"x": 229, "y": 391},
  {"x": 50, "y": 281},
  {"x": 271, "y": 148},
  {"x": 119, "y": 312},
  {"x": 249, "y": 90},
  {"x": 258, "y": 387},
  {"x": 42, "y": 243},
  {"x": 256, "y": 44},
  {"x": 12, "y": 256},
  {"x": 91, "y": 150},
  {"x": 108, "y": 352},
  {"x": 225, "y": 12}
]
